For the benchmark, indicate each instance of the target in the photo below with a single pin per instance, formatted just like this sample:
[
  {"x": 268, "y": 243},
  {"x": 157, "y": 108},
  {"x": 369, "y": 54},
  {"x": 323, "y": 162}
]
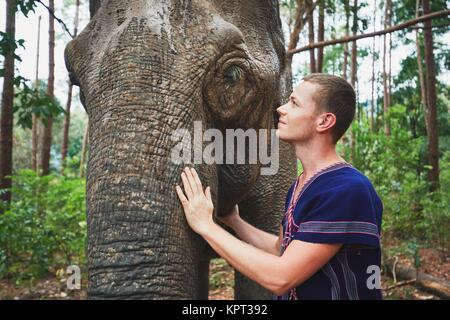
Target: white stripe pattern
[
  {"x": 349, "y": 276},
  {"x": 335, "y": 288},
  {"x": 339, "y": 227}
]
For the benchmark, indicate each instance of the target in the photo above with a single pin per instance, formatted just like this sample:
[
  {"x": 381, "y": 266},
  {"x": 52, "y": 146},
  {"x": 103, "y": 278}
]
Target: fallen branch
[
  {"x": 400, "y": 284},
  {"x": 438, "y": 287},
  {"x": 404, "y": 25},
  {"x": 393, "y": 270}
]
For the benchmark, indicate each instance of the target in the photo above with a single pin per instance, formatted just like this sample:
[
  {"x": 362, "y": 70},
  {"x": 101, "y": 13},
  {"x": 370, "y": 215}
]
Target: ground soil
[{"x": 432, "y": 261}]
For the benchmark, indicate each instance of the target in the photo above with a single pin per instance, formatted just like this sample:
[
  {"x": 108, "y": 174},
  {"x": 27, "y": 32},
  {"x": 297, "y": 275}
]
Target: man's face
[{"x": 298, "y": 116}]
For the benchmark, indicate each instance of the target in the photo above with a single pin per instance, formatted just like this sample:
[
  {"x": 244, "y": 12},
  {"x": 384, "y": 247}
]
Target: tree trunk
[
  {"x": 423, "y": 88},
  {"x": 321, "y": 35},
  {"x": 333, "y": 36},
  {"x": 386, "y": 98},
  {"x": 354, "y": 47},
  {"x": 6, "y": 137},
  {"x": 66, "y": 125},
  {"x": 290, "y": 18},
  {"x": 34, "y": 126},
  {"x": 312, "y": 59},
  {"x": 47, "y": 135},
  {"x": 347, "y": 33},
  {"x": 378, "y": 90},
  {"x": 431, "y": 114},
  {"x": 354, "y": 73},
  {"x": 423, "y": 281},
  {"x": 372, "y": 105},
  {"x": 294, "y": 36},
  {"x": 409, "y": 24},
  {"x": 390, "y": 58}
]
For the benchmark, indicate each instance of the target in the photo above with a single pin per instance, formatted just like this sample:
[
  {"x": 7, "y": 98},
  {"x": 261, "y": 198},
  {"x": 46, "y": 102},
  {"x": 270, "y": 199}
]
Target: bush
[
  {"x": 44, "y": 228},
  {"x": 396, "y": 165}
]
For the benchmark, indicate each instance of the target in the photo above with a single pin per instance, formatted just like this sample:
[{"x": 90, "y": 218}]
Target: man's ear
[{"x": 325, "y": 121}]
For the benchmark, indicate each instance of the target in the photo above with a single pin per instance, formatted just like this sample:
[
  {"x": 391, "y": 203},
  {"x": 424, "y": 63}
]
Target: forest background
[{"x": 400, "y": 137}]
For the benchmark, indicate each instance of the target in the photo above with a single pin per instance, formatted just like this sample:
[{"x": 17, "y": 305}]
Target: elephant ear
[{"x": 94, "y": 5}]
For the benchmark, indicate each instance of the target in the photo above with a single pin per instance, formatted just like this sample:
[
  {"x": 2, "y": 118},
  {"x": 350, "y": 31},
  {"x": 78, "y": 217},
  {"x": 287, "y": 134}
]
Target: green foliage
[
  {"x": 44, "y": 228},
  {"x": 25, "y": 6},
  {"x": 406, "y": 10},
  {"x": 219, "y": 276},
  {"x": 436, "y": 208},
  {"x": 396, "y": 165},
  {"x": 7, "y": 42},
  {"x": 78, "y": 120},
  {"x": 29, "y": 101}
]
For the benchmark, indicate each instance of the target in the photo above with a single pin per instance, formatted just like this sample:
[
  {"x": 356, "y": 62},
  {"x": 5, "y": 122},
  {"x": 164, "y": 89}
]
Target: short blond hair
[{"x": 336, "y": 95}]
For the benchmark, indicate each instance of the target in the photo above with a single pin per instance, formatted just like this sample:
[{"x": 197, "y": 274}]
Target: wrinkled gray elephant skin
[{"x": 146, "y": 68}]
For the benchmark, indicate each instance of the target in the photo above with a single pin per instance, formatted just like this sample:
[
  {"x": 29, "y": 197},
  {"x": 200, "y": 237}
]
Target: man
[{"x": 329, "y": 241}]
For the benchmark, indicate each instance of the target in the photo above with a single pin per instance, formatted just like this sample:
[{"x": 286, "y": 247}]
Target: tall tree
[
  {"x": 431, "y": 112},
  {"x": 321, "y": 34},
  {"x": 354, "y": 47},
  {"x": 47, "y": 135},
  {"x": 301, "y": 16},
  {"x": 354, "y": 69},
  {"x": 294, "y": 35},
  {"x": 312, "y": 59},
  {"x": 6, "y": 141},
  {"x": 34, "y": 125},
  {"x": 66, "y": 125},
  {"x": 372, "y": 103},
  {"x": 333, "y": 36},
  {"x": 423, "y": 89},
  {"x": 386, "y": 89},
  {"x": 389, "y": 75},
  {"x": 347, "y": 33}
]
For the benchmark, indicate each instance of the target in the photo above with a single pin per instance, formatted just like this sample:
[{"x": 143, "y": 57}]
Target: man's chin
[{"x": 281, "y": 136}]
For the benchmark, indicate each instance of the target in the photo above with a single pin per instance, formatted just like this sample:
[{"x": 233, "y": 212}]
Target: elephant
[{"x": 146, "y": 68}]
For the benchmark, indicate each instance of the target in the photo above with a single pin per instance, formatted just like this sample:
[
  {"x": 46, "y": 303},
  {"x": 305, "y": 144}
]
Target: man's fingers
[
  {"x": 192, "y": 182},
  {"x": 208, "y": 193},
  {"x": 186, "y": 185},
  {"x": 197, "y": 179},
  {"x": 183, "y": 199}
]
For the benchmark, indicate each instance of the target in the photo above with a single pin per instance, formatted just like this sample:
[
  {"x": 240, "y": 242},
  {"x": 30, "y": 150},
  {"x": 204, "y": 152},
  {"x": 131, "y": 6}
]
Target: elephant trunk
[{"x": 139, "y": 245}]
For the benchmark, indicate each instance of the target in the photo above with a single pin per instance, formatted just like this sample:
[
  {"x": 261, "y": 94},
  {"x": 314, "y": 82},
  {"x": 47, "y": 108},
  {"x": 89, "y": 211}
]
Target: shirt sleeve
[{"x": 344, "y": 214}]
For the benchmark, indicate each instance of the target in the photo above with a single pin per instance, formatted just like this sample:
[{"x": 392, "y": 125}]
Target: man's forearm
[
  {"x": 256, "y": 237},
  {"x": 262, "y": 267}
]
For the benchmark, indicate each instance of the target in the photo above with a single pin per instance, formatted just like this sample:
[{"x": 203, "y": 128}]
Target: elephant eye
[{"x": 233, "y": 74}]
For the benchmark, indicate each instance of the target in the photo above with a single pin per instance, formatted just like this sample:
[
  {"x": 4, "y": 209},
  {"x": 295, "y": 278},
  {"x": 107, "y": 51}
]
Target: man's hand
[
  {"x": 197, "y": 205},
  {"x": 231, "y": 218}
]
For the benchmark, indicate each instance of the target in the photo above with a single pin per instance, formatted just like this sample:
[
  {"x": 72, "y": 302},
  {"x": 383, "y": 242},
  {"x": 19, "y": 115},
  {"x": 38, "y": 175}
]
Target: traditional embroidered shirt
[{"x": 337, "y": 205}]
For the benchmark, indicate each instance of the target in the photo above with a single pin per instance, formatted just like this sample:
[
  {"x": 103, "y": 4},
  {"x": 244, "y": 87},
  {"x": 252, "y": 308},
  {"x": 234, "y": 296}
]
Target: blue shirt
[{"x": 339, "y": 205}]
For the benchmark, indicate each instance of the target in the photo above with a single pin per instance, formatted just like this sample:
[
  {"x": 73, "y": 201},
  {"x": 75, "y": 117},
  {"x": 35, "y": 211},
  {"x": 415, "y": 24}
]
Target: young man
[{"x": 329, "y": 241}]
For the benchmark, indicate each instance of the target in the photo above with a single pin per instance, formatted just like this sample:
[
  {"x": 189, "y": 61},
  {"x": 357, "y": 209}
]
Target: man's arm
[
  {"x": 258, "y": 238},
  {"x": 277, "y": 274},
  {"x": 298, "y": 263}
]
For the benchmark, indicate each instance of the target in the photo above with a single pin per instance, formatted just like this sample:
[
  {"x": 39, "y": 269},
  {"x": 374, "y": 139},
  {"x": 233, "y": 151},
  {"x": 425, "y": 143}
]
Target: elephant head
[{"x": 145, "y": 69}]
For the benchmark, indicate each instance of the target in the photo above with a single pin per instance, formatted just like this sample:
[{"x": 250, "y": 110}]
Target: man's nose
[{"x": 281, "y": 110}]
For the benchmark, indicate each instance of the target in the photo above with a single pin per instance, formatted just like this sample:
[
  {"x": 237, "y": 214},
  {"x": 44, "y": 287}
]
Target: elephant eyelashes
[
  {"x": 233, "y": 74},
  {"x": 230, "y": 87}
]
